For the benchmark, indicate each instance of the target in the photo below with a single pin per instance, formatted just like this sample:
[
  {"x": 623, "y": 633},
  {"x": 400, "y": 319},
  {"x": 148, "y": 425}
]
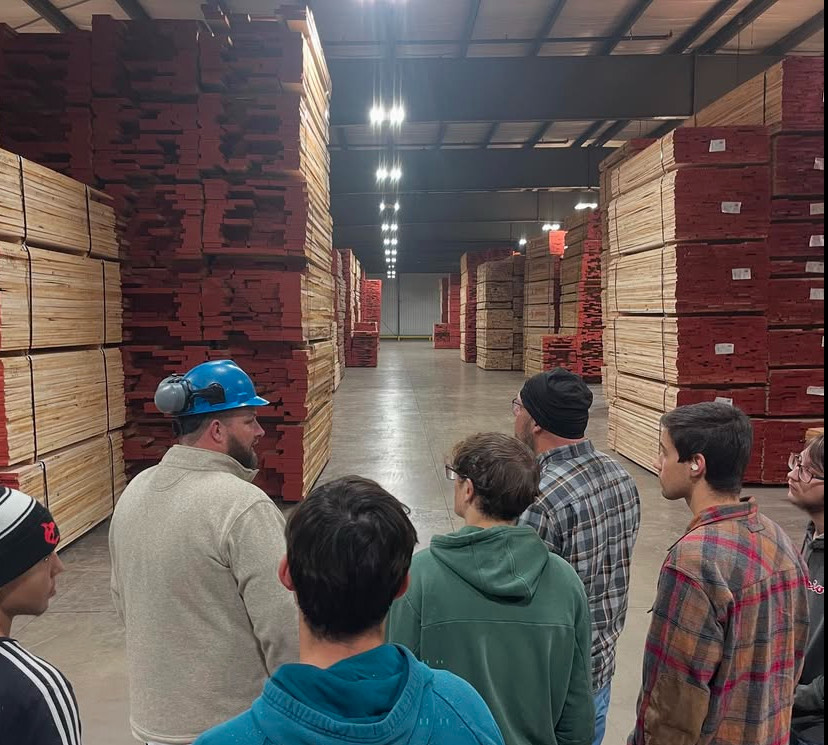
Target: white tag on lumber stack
[
  {"x": 817, "y": 241},
  {"x": 725, "y": 348},
  {"x": 817, "y": 208},
  {"x": 724, "y": 400},
  {"x": 815, "y": 267},
  {"x": 819, "y": 164},
  {"x": 717, "y": 146},
  {"x": 816, "y": 390},
  {"x": 741, "y": 274},
  {"x": 731, "y": 208},
  {"x": 817, "y": 293}
]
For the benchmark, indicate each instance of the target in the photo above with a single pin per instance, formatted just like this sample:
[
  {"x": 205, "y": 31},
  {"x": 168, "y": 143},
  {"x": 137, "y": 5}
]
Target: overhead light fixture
[
  {"x": 522, "y": 242},
  {"x": 396, "y": 206},
  {"x": 586, "y": 205},
  {"x": 389, "y": 174},
  {"x": 382, "y": 206},
  {"x": 386, "y": 242},
  {"x": 377, "y": 115},
  {"x": 385, "y": 227},
  {"x": 382, "y": 173},
  {"x": 556, "y": 226},
  {"x": 395, "y": 174},
  {"x": 394, "y": 227},
  {"x": 393, "y": 251},
  {"x": 387, "y": 251},
  {"x": 551, "y": 226},
  {"x": 394, "y": 241}
]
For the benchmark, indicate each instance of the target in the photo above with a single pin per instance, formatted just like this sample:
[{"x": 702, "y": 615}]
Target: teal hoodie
[
  {"x": 381, "y": 697},
  {"x": 498, "y": 609}
]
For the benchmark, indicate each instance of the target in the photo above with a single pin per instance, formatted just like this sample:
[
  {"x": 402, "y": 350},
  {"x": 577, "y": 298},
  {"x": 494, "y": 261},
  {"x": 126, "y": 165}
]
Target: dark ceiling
[{"x": 510, "y": 104}]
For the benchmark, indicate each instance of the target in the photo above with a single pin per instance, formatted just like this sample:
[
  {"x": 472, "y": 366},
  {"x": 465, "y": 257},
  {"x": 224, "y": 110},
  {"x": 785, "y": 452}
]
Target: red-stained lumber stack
[
  {"x": 340, "y": 302},
  {"x": 442, "y": 332},
  {"x": 361, "y": 337},
  {"x": 468, "y": 298},
  {"x": 578, "y": 346},
  {"x": 686, "y": 309},
  {"x": 541, "y": 298},
  {"x": 788, "y": 99},
  {"x": 444, "y": 300},
  {"x": 372, "y": 301}
]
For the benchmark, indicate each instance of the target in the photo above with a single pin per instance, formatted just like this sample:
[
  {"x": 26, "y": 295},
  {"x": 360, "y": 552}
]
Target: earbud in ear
[{"x": 694, "y": 467}]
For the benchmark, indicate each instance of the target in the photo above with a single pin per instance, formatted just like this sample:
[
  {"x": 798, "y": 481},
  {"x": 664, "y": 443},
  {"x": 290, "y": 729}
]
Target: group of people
[{"x": 326, "y": 629}]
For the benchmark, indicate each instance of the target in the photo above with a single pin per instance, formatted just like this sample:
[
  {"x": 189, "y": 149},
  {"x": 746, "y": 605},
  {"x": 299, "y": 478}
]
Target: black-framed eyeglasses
[
  {"x": 453, "y": 475},
  {"x": 516, "y": 406},
  {"x": 805, "y": 475}
]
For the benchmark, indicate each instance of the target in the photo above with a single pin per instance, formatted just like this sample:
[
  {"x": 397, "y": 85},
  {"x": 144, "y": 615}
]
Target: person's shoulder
[
  {"x": 242, "y": 729},
  {"x": 563, "y": 573},
  {"x": 463, "y": 711},
  {"x": 32, "y": 687}
]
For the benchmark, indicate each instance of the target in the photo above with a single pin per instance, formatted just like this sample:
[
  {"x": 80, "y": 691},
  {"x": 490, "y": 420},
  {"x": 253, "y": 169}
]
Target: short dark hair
[
  {"x": 503, "y": 470},
  {"x": 816, "y": 453},
  {"x": 349, "y": 548},
  {"x": 195, "y": 424},
  {"x": 721, "y": 433}
]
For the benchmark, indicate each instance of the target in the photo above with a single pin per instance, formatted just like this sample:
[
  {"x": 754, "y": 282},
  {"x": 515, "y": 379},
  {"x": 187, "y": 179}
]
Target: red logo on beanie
[{"x": 50, "y": 533}]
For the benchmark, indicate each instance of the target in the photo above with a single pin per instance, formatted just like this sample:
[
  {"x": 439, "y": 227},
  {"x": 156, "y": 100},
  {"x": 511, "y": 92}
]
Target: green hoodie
[{"x": 496, "y": 608}]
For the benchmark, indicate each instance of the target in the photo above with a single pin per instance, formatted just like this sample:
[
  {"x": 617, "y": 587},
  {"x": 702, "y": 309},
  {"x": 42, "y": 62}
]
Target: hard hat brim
[{"x": 255, "y": 402}]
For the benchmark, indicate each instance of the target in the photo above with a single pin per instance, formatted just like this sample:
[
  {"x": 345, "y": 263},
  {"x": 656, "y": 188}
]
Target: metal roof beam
[
  {"x": 468, "y": 27},
  {"x": 547, "y": 26},
  {"x": 736, "y": 25},
  {"x": 588, "y": 134},
  {"x": 622, "y": 30},
  {"x": 49, "y": 12},
  {"x": 800, "y": 34},
  {"x": 695, "y": 32},
  {"x": 134, "y": 10}
]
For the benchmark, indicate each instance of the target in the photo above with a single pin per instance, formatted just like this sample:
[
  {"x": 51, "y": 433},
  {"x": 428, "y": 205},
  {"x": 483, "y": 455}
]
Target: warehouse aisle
[{"x": 394, "y": 423}]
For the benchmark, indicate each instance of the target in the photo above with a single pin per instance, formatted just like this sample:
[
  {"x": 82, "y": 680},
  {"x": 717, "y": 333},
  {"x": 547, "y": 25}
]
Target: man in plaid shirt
[
  {"x": 730, "y": 620},
  {"x": 588, "y": 511}
]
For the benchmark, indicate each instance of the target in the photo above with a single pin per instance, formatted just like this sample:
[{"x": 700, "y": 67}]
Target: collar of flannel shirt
[
  {"x": 567, "y": 452},
  {"x": 744, "y": 508}
]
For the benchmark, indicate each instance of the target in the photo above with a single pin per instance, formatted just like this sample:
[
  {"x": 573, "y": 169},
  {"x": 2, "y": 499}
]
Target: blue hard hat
[{"x": 220, "y": 385}]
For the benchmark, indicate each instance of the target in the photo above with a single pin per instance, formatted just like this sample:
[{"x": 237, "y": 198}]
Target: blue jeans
[{"x": 602, "y": 702}]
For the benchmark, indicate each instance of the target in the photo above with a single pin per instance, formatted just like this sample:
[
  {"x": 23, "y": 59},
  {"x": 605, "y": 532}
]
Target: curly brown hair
[{"x": 816, "y": 453}]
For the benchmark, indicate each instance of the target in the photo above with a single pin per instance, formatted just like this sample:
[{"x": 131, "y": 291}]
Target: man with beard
[
  {"x": 588, "y": 511},
  {"x": 195, "y": 546}
]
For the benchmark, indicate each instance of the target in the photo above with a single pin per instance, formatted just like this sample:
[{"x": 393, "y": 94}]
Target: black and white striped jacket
[{"x": 37, "y": 703}]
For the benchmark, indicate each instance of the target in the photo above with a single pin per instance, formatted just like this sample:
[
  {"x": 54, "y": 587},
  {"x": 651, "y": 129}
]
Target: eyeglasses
[
  {"x": 516, "y": 406},
  {"x": 805, "y": 475},
  {"x": 453, "y": 475}
]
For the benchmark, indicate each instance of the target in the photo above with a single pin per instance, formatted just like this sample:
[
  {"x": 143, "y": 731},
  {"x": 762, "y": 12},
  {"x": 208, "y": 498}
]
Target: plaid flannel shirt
[
  {"x": 588, "y": 513},
  {"x": 727, "y": 636}
]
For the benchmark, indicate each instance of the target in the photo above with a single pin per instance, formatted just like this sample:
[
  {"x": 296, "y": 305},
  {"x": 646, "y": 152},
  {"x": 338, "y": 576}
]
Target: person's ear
[
  {"x": 406, "y": 583},
  {"x": 467, "y": 491},
  {"x": 698, "y": 466},
  {"x": 284, "y": 575}
]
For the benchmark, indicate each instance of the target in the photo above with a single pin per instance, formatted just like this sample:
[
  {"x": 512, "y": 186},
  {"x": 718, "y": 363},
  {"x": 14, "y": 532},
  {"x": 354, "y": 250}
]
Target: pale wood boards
[
  {"x": 692, "y": 204},
  {"x": 79, "y": 483},
  {"x": 49, "y": 210},
  {"x": 50, "y": 299},
  {"x": 55, "y": 399},
  {"x": 634, "y": 431},
  {"x": 316, "y": 444},
  {"x": 690, "y": 350},
  {"x": 689, "y": 278},
  {"x": 682, "y": 148}
]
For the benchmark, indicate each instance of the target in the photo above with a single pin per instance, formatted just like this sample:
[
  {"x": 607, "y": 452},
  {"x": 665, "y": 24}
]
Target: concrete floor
[{"x": 395, "y": 424}]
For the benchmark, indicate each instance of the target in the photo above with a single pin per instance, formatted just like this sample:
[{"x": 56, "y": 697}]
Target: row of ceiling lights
[{"x": 390, "y": 175}]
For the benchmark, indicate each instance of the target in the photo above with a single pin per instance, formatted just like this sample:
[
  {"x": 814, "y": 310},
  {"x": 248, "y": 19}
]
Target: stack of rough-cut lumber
[
  {"x": 789, "y": 100},
  {"x": 361, "y": 337},
  {"x": 499, "y": 322},
  {"x": 339, "y": 317},
  {"x": 578, "y": 346},
  {"x": 541, "y": 297},
  {"x": 686, "y": 279},
  {"x": 61, "y": 375},
  {"x": 469, "y": 262},
  {"x": 442, "y": 336},
  {"x": 372, "y": 300}
]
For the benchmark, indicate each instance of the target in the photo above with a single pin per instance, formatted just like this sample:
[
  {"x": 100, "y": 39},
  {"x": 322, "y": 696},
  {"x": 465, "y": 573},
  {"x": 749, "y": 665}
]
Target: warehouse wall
[{"x": 410, "y": 304}]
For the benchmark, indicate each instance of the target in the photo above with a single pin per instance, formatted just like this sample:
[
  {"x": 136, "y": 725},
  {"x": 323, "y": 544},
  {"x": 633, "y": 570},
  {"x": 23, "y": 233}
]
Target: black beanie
[
  {"x": 28, "y": 534},
  {"x": 559, "y": 402}
]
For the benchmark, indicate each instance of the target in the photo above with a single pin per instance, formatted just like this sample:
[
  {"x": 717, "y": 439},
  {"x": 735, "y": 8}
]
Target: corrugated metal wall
[{"x": 418, "y": 304}]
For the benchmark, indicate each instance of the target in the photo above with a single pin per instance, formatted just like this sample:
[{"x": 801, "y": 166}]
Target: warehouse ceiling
[{"x": 510, "y": 105}]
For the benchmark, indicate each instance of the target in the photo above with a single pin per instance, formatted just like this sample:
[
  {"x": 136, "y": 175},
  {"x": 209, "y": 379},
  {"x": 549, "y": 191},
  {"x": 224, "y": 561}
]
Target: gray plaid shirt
[{"x": 589, "y": 513}]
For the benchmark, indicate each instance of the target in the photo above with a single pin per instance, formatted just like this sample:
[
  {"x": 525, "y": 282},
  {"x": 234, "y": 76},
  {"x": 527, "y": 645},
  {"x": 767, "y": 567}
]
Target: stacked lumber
[
  {"x": 469, "y": 262},
  {"x": 442, "y": 336},
  {"x": 541, "y": 297},
  {"x": 444, "y": 300},
  {"x": 215, "y": 150},
  {"x": 454, "y": 311},
  {"x": 499, "y": 321},
  {"x": 442, "y": 331},
  {"x": 339, "y": 317},
  {"x": 372, "y": 300},
  {"x": 361, "y": 339},
  {"x": 686, "y": 278},
  {"x": 61, "y": 388},
  {"x": 364, "y": 345},
  {"x": 579, "y": 345}
]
